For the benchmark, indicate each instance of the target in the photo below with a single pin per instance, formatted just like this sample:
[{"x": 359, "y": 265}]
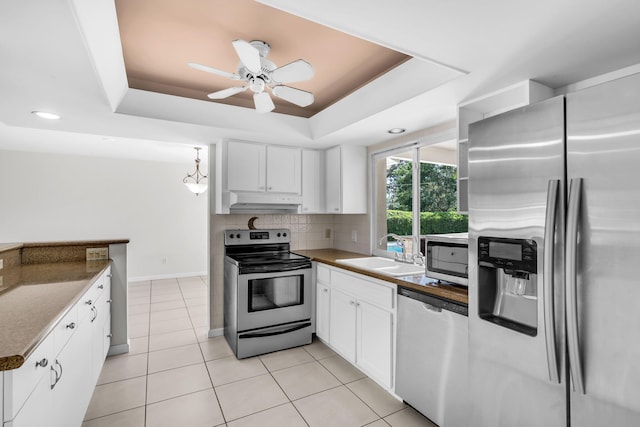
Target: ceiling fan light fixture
[
  {"x": 257, "y": 85},
  {"x": 259, "y": 74}
]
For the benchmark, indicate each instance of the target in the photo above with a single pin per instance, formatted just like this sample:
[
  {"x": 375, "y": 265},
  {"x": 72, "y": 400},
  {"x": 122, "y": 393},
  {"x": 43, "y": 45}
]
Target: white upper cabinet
[
  {"x": 518, "y": 95},
  {"x": 312, "y": 181},
  {"x": 246, "y": 164},
  {"x": 284, "y": 170},
  {"x": 263, "y": 168},
  {"x": 346, "y": 180}
]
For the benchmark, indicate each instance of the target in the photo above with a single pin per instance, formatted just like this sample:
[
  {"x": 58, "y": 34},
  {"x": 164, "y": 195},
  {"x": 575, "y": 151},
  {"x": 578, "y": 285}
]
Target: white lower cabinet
[
  {"x": 54, "y": 385},
  {"x": 323, "y": 306},
  {"x": 343, "y": 324},
  {"x": 37, "y": 409},
  {"x": 361, "y": 320},
  {"x": 375, "y": 341}
]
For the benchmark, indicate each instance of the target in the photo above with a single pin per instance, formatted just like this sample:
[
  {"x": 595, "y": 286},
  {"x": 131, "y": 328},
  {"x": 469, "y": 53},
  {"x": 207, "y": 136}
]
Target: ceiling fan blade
[
  {"x": 248, "y": 55},
  {"x": 263, "y": 102},
  {"x": 213, "y": 71},
  {"x": 295, "y": 96},
  {"x": 225, "y": 93},
  {"x": 297, "y": 71}
]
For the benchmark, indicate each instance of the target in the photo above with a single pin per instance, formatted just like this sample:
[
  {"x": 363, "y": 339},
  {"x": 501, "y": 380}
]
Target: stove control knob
[
  {"x": 284, "y": 234},
  {"x": 278, "y": 234},
  {"x": 238, "y": 235},
  {"x": 231, "y": 236}
]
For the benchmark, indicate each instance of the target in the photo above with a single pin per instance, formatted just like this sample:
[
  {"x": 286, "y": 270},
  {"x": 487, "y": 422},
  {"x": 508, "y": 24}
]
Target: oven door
[{"x": 273, "y": 298}]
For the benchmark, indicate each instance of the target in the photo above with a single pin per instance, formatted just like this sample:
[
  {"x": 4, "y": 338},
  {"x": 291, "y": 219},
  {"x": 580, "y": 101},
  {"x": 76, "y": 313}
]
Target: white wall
[{"x": 54, "y": 197}]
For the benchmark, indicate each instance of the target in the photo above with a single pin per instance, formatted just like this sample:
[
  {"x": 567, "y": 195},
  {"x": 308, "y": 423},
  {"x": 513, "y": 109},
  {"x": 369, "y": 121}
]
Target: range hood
[{"x": 239, "y": 202}]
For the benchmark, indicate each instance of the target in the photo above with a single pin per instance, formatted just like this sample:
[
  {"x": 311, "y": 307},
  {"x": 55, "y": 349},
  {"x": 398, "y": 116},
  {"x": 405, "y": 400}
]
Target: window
[{"x": 414, "y": 195}]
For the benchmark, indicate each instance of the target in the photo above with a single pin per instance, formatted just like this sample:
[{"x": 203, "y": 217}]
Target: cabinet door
[
  {"x": 342, "y": 324},
  {"x": 73, "y": 381},
  {"x": 333, "y": 178},
  {"x": 323, "y": 311},
  {"x": 246, "y": 166},
  {"x": 312, "y": 182},
  {"x": 375, "y": 341},
  {"x": 284, "y": 171},
  {"x": 38, "y": 408}
]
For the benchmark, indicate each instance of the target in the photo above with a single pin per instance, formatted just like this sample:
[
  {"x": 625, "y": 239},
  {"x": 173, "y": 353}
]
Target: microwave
[{"x": 447, "y": 257}]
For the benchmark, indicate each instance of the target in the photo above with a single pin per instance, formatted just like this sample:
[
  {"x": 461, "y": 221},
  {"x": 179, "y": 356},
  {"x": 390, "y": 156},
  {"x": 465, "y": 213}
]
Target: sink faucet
[{"x": 401, "y": 243}]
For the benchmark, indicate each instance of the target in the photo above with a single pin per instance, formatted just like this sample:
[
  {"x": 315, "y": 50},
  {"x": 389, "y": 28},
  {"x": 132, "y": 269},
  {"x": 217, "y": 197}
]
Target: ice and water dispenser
[{"x": 507, "y": 283}]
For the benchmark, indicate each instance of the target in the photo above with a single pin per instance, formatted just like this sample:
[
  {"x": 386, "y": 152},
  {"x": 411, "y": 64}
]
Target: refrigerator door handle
[
  {"x": 548, "y": 275},
  {"x": 571, "y": 297}
]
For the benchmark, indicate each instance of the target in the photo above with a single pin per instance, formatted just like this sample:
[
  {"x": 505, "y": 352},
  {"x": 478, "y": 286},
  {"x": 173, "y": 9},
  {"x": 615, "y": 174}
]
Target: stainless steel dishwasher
[{"x": 432, "y": 354}]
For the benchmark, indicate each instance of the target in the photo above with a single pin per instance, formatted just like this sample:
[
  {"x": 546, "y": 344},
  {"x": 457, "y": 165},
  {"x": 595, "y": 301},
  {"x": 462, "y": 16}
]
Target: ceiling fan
[{"x": 258, "y": 74}]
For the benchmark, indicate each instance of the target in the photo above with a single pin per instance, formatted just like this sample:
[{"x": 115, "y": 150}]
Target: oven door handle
[
  {"x": 272, "y": 333},
  {"x": 285, "y": 267}
]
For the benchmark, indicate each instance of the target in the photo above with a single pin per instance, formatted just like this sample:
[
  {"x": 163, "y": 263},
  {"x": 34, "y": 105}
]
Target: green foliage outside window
[
  {"x": 399, "y": 222},
  {"x": 437, "y": 199}
]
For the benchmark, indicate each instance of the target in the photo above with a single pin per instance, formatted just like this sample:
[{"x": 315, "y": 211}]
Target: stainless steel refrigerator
[{"x": 554, "y": 270}]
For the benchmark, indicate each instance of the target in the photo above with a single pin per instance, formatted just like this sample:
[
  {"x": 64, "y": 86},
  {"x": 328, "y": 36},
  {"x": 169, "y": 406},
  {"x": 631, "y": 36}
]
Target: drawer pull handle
[
  {"x": 43, "y": 363},
  {"x": 88, "y": 302},
  {"x": 71, "y": 325},
  {"x": 101, "y": 287},
  {"x": 109, "y": 275},
  {"x": 109, "y": 301},
  {"x": 58, "y": 377},
  {"x": 110, "y": 335}
]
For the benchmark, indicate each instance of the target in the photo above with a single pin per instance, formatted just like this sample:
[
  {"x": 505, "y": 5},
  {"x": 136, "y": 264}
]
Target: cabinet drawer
[
  {"x": 323, "y": 274},
  {"x": 19, "y": 383},
  {"x": 86, "y": 303},
  {"x": 104, "y": 282},
  {"x": 364, "y": 289},
  {"x": 65, "y": 328}
]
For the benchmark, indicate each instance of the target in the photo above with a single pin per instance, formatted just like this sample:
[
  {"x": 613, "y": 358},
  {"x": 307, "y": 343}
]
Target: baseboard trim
[
  {"x": 216, "y": 332},
  {"x": 118, "y": 349},
  {"x": 166, "y": 276}
]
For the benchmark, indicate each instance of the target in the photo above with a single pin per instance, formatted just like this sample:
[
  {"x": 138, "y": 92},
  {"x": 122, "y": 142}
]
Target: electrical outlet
[
  {"x": 354, "y": 236},
  {"x": 327, "y": 233},
  {"x": 165, "y": 260},
  {"x": 95, "y": 254}
]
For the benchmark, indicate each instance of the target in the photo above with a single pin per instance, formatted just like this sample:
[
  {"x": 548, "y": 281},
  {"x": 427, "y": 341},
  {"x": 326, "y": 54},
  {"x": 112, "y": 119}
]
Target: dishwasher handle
[{"x": 430, "y": 307}]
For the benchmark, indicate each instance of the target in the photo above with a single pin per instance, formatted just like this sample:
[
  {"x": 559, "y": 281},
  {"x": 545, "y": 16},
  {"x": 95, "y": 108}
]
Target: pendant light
[{"x": 194, "y": 180}]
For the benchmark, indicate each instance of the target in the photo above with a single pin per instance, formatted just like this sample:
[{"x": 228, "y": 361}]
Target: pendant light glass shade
[{"x": 193, "y": 181}]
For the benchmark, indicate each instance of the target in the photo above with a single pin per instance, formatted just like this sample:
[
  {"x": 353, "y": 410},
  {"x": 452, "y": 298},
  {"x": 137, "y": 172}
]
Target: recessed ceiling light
[
  {"x": 396, "y": 130},
  {"x": 45, "y": 115}
]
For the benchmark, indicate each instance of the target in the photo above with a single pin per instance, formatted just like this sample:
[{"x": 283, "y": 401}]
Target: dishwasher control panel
[{"x": 436, "y": 302}]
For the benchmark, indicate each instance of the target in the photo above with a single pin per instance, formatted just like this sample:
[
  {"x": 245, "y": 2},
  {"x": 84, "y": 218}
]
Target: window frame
[{"x": 414, "y": 145}]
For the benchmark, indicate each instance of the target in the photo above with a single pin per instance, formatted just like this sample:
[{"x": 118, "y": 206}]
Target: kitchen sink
[{"x": 384, "y": 266}]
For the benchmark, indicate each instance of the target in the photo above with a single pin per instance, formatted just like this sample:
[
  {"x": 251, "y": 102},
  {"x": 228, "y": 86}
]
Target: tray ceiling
[{"x": 159, "y": 37}]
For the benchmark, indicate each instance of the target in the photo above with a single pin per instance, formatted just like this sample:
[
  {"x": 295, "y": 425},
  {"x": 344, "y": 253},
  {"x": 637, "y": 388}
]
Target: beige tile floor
[{"x": 175, "y": 375}]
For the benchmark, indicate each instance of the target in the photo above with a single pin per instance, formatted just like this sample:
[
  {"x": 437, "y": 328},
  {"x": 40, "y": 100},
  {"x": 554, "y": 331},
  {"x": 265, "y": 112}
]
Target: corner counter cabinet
[{"x": 55, "y": 383}]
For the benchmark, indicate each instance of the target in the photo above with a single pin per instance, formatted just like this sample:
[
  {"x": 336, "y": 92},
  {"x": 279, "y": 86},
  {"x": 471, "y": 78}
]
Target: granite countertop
[
  {"x": 34, "y": 298},
  {"x": 418, "y": 283}
]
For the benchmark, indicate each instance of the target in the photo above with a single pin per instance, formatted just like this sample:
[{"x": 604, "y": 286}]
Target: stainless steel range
[{"x": 267, "y": 292}]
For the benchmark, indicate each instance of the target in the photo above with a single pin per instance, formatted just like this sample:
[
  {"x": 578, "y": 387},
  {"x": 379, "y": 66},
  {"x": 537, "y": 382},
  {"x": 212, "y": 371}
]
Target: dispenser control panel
[{"x": 509, "y": 254}]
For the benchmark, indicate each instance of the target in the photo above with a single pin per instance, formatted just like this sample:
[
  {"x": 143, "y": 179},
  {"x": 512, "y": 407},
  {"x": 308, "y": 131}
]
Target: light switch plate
[{"x": 95, "y": 254}]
